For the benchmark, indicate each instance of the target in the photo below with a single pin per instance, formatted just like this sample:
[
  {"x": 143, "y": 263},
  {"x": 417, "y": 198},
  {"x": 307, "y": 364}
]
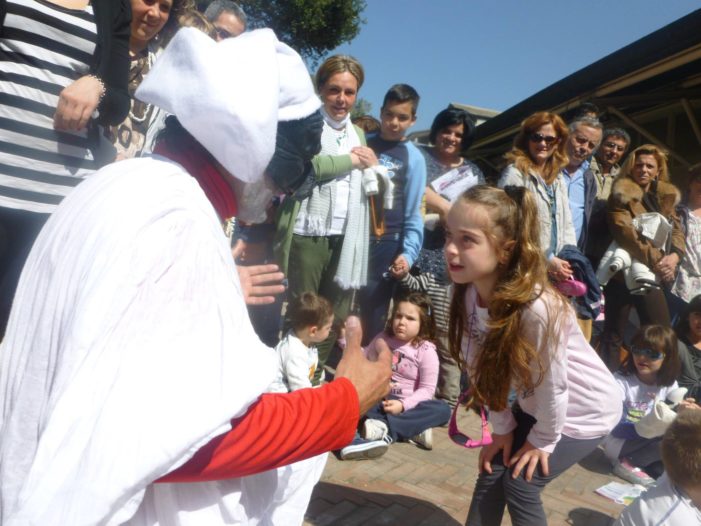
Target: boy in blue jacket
[{"x": 396, "y": 233}]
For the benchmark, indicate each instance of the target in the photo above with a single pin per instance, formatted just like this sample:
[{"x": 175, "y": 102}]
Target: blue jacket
[{"x": 589, "y": 305}]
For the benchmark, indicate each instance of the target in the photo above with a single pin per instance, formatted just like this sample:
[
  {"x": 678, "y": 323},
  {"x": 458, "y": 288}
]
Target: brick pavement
[{"x": 409, "y": 486}]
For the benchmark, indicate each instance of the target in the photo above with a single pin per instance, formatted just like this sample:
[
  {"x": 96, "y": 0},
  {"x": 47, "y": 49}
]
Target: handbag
[{"x": 461, "y": 438}]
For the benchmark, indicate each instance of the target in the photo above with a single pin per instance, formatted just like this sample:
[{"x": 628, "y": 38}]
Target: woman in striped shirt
[{"x": 63, "y": 68}]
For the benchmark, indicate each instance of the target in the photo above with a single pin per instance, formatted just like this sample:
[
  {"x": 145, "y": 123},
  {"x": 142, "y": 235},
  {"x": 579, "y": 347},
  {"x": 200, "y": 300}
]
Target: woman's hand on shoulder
[
  {"x": 529, "y": 457},
  {"x": 366, "y": 156},
  {"x": 77, "y": 102},
  {"x": 487, "y": 453}
]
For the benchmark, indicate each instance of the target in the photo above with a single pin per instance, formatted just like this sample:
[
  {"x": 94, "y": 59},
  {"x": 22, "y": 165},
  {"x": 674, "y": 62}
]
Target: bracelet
[{"x": 103, "y": 88}]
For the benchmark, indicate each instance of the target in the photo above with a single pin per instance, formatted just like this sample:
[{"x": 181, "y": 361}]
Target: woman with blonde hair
[
  {"x": 535, "y": 162},
  {"x": 513, "y": 333},
  {"x": 642, "y": 187},
  {"x": 322, "y": 232}
]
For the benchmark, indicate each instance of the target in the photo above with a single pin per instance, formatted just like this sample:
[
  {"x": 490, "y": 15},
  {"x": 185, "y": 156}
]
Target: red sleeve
[{"x": 277, "y": 430}]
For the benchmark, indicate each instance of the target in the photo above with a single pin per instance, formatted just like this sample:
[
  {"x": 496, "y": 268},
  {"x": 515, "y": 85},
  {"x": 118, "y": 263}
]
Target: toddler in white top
[{"x": 311, "y": 317}]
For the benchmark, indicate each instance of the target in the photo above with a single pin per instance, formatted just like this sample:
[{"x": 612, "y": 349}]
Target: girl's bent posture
[{"x": 514, "y": 333}]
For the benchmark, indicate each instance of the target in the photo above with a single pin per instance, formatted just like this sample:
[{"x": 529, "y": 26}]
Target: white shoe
[
  {"x": 374, "y": 429},
  {"x": 424, "y": 439}
]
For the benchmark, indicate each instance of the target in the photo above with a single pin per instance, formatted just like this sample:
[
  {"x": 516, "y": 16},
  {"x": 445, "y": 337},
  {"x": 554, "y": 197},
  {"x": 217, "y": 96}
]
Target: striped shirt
[{"x": 44, "y": 48}]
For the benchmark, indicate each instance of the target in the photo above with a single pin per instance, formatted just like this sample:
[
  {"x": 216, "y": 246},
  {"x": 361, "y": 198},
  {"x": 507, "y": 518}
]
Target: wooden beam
[
  {"x": 692, "y": 119},
  {"x": 654, "y": 97},
  {"x": 649, "y": 136}
]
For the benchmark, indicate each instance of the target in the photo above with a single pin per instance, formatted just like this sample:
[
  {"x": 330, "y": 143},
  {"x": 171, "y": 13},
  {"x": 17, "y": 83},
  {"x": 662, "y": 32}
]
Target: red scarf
[{"x": 199, "y": 164}]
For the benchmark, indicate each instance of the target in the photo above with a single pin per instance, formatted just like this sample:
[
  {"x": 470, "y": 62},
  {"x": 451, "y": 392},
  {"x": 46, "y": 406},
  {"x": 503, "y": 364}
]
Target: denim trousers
[{"x": 427, "y": 414}]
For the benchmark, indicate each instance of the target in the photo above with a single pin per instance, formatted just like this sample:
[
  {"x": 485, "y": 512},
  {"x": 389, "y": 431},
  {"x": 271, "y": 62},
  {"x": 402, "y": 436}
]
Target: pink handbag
[
  {"x": 461, "y": 438},
  {"x": 571, "y": 287}
]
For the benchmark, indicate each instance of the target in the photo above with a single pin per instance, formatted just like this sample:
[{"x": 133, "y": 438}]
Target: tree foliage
[
  {"x": 362, "y": 107},
  {"x": 312, "y": 27}
]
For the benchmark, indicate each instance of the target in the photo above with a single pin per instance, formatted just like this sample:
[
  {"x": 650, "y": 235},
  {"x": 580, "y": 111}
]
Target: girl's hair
[
  {"x": 520, "y": 156},
  {"x": 661, "y": 339},
  {"x": 647, "y": 149},
  {"x": 682, "y": 326},
  {"x": 427, "y": 325},
  {"x": 450, "y": 117},
  {"x": 339, "y": 64},
  {"x": 507, "y": 356},
  {"x": 192, "y": 18},
  {"x": 178, "y": 9},
  {"x": 307, "y": 310}
]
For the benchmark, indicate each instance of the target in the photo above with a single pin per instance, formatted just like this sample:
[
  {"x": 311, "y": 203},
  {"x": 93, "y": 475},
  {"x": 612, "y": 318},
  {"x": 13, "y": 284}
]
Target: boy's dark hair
[
  {"x": 427, "y": 328},
  {"x": 450, "y": 117},
  {"x": 308, "y": 310},
  {"x": 402, "y": 93},
  {"x": 662, "y": 339},
  {"x": 681, "y": 450},
  {"x": 682, "y": 325}
]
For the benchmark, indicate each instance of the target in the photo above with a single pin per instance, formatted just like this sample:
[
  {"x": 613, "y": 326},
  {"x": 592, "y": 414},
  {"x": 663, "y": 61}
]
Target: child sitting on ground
[
  {"x": 676, "y": 499},
  {"x": 410, "y": 412},
  {"x": 311, "y": 317},
  {"x": 646, "y": 376}
]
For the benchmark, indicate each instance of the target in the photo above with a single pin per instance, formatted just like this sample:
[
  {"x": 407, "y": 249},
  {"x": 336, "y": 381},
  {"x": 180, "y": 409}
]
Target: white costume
[{"x": 129, "y": 347}]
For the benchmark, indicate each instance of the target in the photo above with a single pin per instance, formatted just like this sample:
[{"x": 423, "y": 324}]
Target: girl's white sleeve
[{"x": 548, "y": 401}]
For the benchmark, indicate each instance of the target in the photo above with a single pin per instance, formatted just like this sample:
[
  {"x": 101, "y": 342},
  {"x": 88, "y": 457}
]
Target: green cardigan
[{"x": 326, "y": 168}]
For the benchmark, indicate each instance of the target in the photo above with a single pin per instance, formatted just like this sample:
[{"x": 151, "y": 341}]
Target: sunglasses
[
  {"x": 460, "y": 438},
  {"x": 537, "y": 138},
  {"x": 649, "y": 353}
]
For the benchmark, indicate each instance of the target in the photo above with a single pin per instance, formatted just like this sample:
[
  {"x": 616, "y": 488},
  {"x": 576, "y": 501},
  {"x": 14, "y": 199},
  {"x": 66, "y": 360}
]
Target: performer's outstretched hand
[{"x": 370, "y": 379}]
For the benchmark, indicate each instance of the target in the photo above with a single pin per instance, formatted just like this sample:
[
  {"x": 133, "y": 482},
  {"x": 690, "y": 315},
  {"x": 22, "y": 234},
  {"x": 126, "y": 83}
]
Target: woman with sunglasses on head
[
  {"x": 642, "y": 187},
  {"x": 153, "y": 23},
  {"x": 536, "y": 161},
  {"x": 513, "y": 333},
  {"x": 648, "y": 375}
]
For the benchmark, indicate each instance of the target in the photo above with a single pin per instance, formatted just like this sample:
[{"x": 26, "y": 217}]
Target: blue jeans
[
  {"x": 431, "y": 413},
  {"x": 375, "y": 297}
]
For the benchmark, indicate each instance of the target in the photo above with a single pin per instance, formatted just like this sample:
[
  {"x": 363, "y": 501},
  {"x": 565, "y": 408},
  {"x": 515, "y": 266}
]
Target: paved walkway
[{"x": 409, "y": 486}]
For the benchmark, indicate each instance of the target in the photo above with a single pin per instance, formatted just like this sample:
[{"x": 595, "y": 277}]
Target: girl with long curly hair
[{"x": 517, "y": 338}]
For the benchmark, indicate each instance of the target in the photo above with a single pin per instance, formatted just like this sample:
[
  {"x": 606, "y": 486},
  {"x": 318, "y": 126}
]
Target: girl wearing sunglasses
[
  {"x": 513, "y": 332},
  {"x": 647, "y": 375},
  {"x": 535, "y": 162}
]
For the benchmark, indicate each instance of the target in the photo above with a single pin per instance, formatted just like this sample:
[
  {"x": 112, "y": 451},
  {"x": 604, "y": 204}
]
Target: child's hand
[
  {"x": 399, "y": 268},
  {"x": 499, "y": 443},
  {"x": 559, "y": 269},
  {"x": 393, "y": 407},
  {"x": 529, "y": 456}
]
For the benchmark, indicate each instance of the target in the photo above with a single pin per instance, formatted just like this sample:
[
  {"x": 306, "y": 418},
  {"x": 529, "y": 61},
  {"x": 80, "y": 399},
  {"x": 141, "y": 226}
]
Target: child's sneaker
[
  {"x": 424, "y": 439},
  {"x": 632, "y": 474},
  {"x": 361, "y": 449},
  {"x": 374, "y": 429}
]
